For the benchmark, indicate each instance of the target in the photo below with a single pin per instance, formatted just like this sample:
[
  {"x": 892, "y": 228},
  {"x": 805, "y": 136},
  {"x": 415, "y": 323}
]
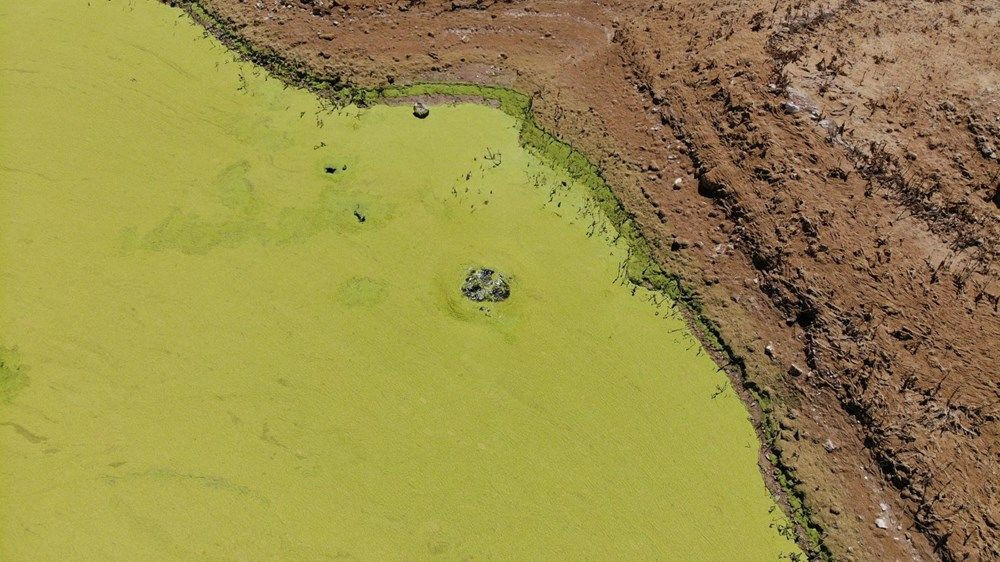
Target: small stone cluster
[{"x": 484, "y": 284}]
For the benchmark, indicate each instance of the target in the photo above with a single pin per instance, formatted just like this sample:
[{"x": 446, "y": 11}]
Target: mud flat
[{"x": 233, "y": 326}]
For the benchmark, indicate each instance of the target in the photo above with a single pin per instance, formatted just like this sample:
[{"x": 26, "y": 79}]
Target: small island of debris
[{"x": 485, "y": 284}]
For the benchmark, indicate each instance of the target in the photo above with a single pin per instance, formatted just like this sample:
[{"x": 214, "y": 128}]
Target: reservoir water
[{"x": 231, "y": 326}]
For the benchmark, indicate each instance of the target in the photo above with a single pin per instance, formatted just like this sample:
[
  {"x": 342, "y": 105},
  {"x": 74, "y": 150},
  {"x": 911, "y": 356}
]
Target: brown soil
[{"x": 839, "y": 207}]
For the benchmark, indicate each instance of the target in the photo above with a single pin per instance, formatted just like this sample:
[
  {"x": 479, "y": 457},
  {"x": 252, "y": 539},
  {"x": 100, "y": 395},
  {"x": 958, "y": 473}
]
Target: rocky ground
[{"x": 825, "y": 173}]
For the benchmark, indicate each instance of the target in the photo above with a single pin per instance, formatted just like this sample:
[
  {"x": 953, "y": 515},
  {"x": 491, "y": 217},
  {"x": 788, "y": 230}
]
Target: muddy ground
[{"x": 825, "y": 173}]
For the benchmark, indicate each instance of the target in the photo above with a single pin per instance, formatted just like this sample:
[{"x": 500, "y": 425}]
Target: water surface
[{"x": 207, "y": 354}]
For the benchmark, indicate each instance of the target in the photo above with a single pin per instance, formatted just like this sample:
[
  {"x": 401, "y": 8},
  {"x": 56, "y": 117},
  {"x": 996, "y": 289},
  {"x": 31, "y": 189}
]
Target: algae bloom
[{"x": 236, "y": 354}]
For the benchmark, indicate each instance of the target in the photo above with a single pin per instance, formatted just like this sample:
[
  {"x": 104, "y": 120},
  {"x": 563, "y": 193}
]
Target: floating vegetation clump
[{"x": 485, "y": 284}]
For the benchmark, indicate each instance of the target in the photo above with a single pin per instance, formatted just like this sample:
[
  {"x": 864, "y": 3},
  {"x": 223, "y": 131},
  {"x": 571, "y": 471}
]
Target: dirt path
[{"x": 827, "y": 175}]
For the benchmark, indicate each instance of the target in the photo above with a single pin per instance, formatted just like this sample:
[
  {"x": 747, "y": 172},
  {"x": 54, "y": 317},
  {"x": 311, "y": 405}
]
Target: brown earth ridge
[{"x": 825, "y": 174}]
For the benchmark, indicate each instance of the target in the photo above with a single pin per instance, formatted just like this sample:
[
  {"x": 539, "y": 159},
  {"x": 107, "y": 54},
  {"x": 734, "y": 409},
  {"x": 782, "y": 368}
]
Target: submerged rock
[
  {"x": 420, "y": 110},
  {"x": 485, "y": 284}
]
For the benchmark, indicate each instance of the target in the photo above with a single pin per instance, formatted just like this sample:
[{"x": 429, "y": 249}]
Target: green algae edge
[{"x": 641, "y": 267}]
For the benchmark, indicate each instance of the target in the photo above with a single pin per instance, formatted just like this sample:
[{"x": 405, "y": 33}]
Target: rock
[
  {"x": 883, "y": 506},
  {"x": 677, "y": 183},
  {"x": 829, "y": 446},
  {"x": 711, "y": 186},
  {"x": 808, "y": 227},
  {"x": 795, "y": 370},
  {"x": 420, "y": 110},
  {"x": 769, "y": 350},
  {"x": 485, "y": 284},
  {"x": 881, "y": 523},
  {"x": 790, "y": 107},
  {"x": 988, "y": 151}
]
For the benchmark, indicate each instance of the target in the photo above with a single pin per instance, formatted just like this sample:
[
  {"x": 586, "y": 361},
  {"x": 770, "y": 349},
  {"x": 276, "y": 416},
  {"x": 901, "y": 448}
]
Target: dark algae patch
[{"x": 12, "y": 374}]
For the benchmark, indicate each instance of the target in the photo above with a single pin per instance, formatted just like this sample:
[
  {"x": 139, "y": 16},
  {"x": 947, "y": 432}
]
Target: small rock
[
  {"x": 420, "y": 110},
  {"x": 881, "y": 523},
  {"x": 769, "y": 350},
  {"x": 677, "y": 183},
  {"x": 808, "y": 227},
  {"x": 883, "y": 506},
  {"x": 829, "y": 446},
  {"x": 795, "y": 370},
  {"x": 790, "y": 107},
  {"x": 988, "y": 151}
]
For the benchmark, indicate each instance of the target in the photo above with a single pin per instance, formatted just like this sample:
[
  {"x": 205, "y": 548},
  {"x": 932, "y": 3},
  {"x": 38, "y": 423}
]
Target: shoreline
[{"x": 642, "y": 269}]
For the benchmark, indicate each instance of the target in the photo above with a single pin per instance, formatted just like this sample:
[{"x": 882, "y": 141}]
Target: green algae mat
[{"x": 231, "y": 326}]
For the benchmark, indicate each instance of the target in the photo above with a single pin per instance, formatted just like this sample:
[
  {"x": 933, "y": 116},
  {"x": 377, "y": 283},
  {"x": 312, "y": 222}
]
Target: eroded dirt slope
[{"x": 827, "y": 175}]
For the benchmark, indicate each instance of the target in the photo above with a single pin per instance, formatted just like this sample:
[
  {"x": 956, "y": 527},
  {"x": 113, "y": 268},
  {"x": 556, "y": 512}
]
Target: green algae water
[{"x": 231, "y": 327}]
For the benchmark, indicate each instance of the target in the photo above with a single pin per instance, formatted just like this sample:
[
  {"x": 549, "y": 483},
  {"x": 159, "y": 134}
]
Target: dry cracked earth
[{"x": 826, "y": 174}]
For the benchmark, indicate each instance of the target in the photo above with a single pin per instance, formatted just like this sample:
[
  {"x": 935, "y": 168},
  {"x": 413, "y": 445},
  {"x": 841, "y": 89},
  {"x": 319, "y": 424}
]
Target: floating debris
[{"x": 484, "y": 284}]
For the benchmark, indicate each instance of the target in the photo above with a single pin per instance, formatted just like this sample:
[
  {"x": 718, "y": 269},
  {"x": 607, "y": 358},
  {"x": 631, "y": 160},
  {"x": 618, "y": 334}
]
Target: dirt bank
[{"x": 826, "y": 173}]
